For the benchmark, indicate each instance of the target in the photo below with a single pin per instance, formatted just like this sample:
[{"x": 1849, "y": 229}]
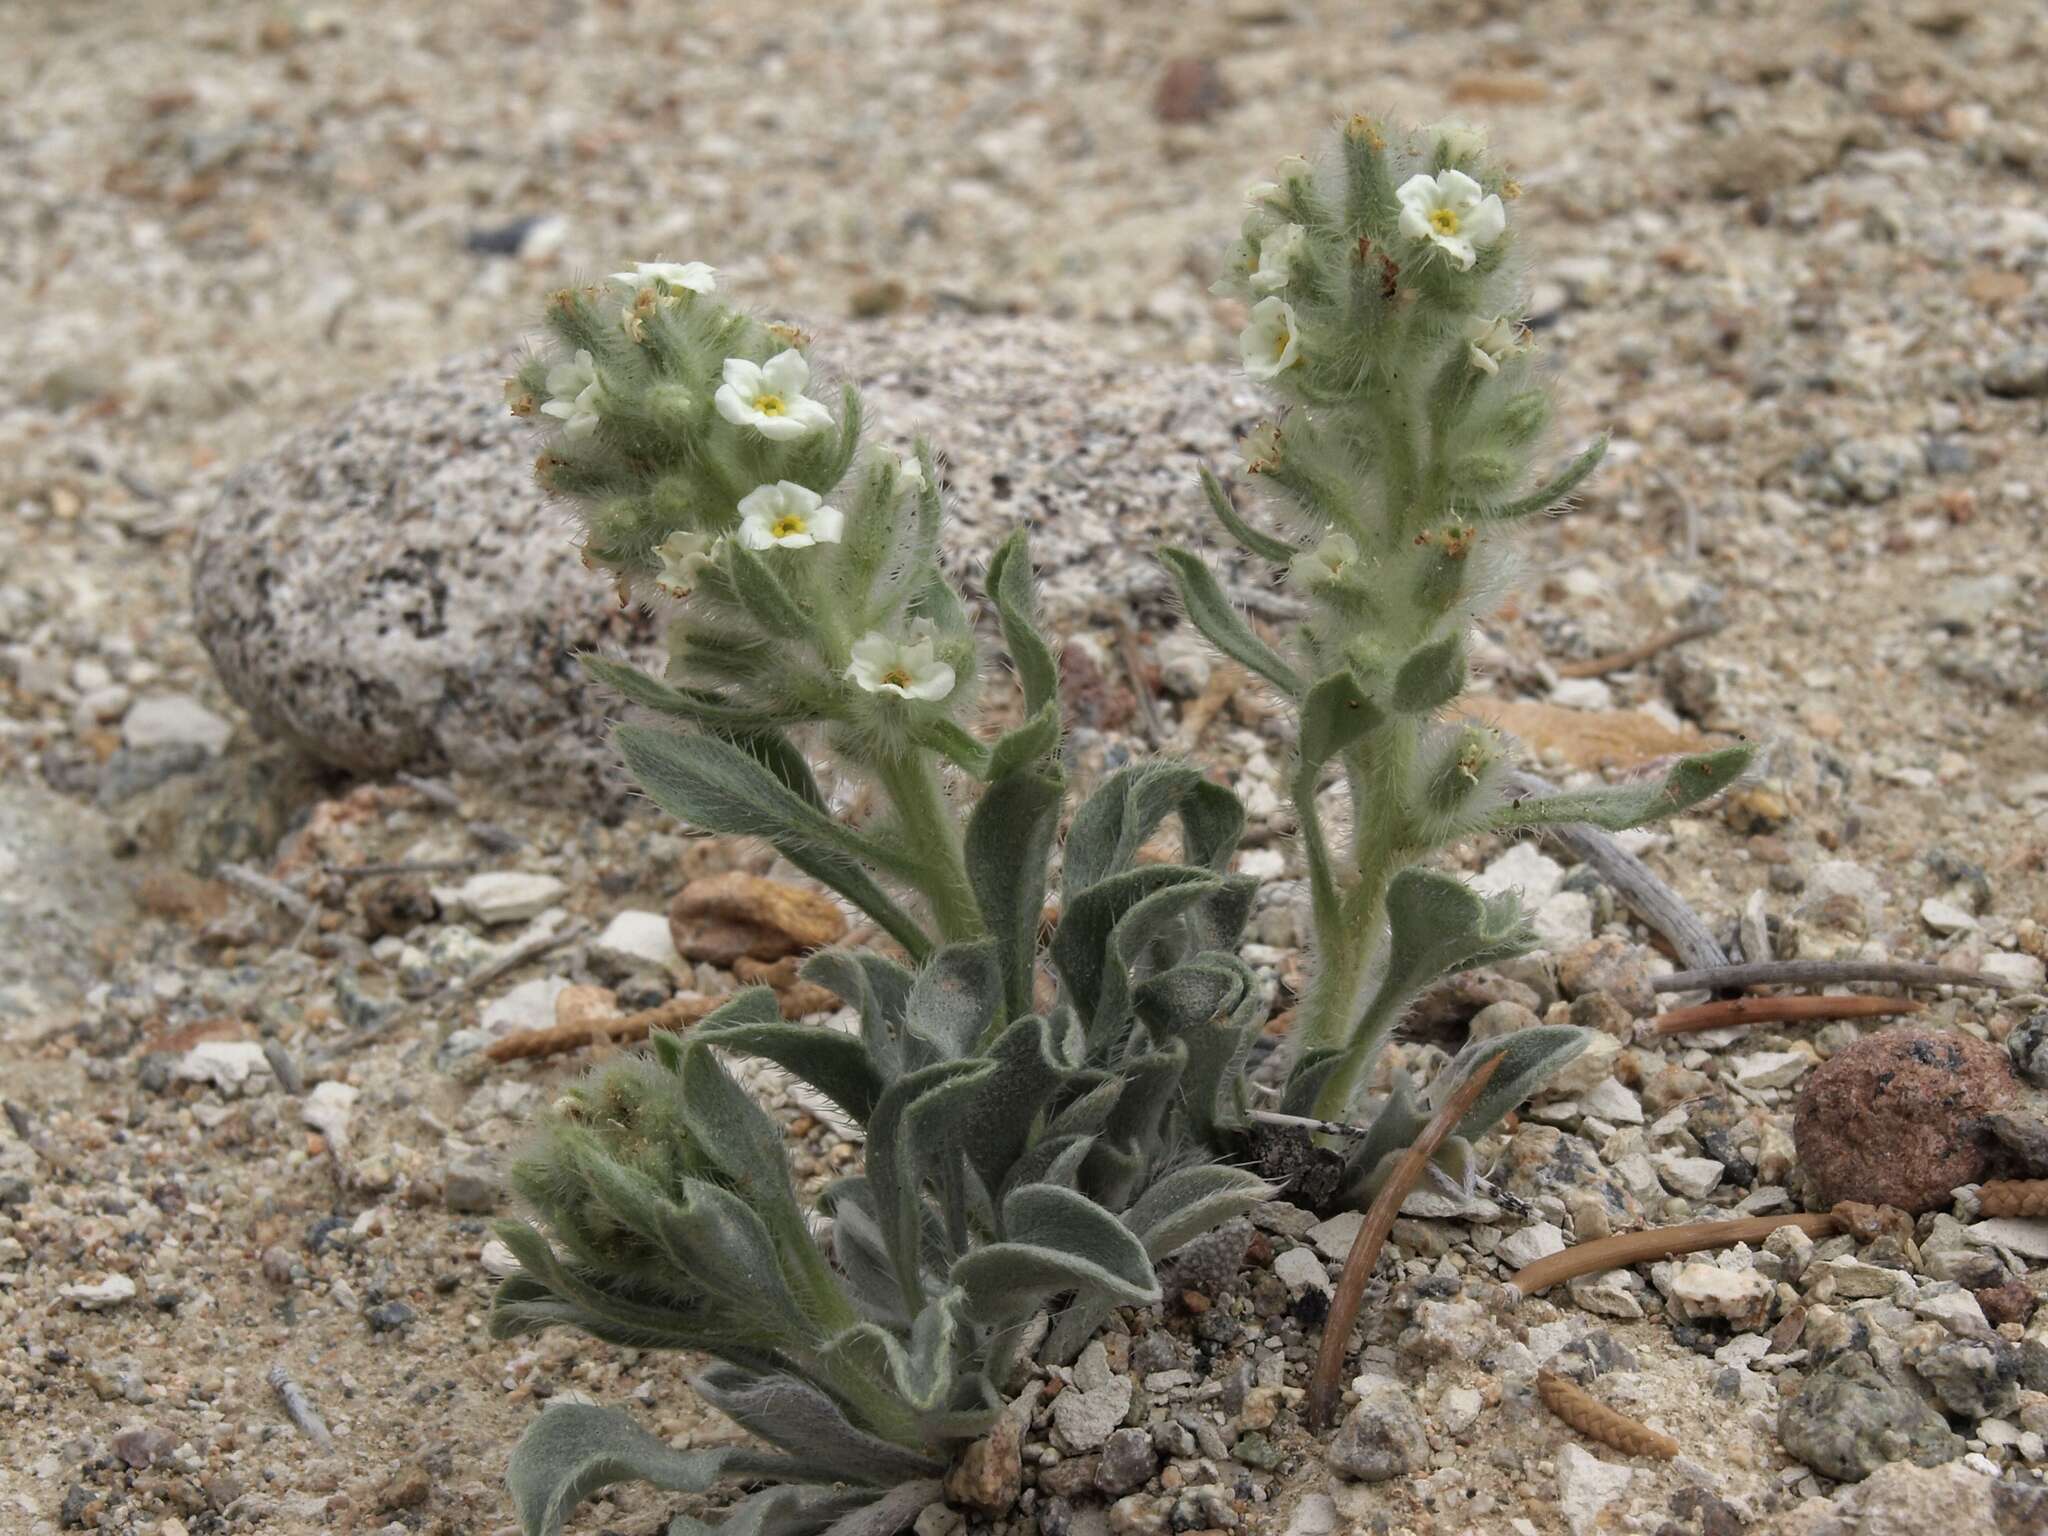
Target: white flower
[
  {"x": 1451, "y": 210},
  {"x": 1278, "y": 253},
  {"x": 786, "y": 515},
  {"x": 683, "y": 555},
  {"x": 769, "y": 397},
  {"x": 1259, "y": 191},
  {"x": 883, "y": 665},
  {"x": 1493, "y": 342},
  {"x": 669, "y": 277},
  {"x": 912, "y": 472},
  {"x": 576, "y": 391},
  {"x": 1326, "y": 564},
  {"x": 1269, "y": 345}
]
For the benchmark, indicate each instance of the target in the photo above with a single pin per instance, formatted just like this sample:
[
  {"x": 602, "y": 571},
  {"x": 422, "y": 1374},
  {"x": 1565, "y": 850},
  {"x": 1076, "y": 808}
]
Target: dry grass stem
[
  {"x": 1774, "y": 1010},
  {"x": 1372, "y": 1236},
  {"x": 1626, "y": 1248}
]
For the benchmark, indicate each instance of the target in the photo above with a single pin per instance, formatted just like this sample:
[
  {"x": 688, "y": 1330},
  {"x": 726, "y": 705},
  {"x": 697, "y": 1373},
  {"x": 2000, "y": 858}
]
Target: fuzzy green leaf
[
  {"x": 768, "y": 602},
  {"x": 1212, "y": 1005},
  {"x": 1335, "y": 716},
  {"x": 876, "y": 988},
  {"x": 1114, "y": 822},
  {"x": 721, "y": 787},
  {"x": 1551, "y": 492},
  {"x": 1008, "y": 841},
  {"x": 1055, "y": 1241},
  {"x": 1210, "y": 612},
  {"x": 636, "y": 687},
  {"x": 1618, "y": 807},
  {"x": 1528, "y": 1059},
  {"x": 574, "y": 1449},
  {"x": 953, "y": 742},
  {"x": 1038, "y": 738},
  {"x": 907, "y": 1129},
  {"x": 1189, "y": 1201},
  {"x": 998, "y": 1119},
  {"x": 1264, "y": 545},
  {"x": 796, "y": 1417},
  {"x": 1011, "y": 588},
  {"x": 1082, "y": 948},
  {"x": 837, "y": 1065},
  {"x": 955, "y": 999},
  {"x": 1431, "y": 677}
]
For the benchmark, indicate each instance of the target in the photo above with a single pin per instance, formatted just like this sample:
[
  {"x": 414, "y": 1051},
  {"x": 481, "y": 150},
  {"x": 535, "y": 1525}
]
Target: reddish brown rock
[
  {"x": 1894, "y": 1118},
  {"x": 2011, "y": 1302},
  {"x": 719, "y": 918}
]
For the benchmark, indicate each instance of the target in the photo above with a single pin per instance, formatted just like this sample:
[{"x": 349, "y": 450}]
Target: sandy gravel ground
[{"x": 1796, "y": 256}]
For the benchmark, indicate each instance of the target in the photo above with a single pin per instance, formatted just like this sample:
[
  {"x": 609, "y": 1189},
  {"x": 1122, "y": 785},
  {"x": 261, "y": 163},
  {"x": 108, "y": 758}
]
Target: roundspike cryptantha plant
[
  {"x": 1042, "y": 1120},
  {"x": 1386, "y": 319}
]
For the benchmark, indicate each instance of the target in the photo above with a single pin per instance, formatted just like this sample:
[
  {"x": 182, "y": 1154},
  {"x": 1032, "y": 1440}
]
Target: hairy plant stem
[
  {"x": 1337, "y": 1015},
  {"x": 932, "y": 841}
]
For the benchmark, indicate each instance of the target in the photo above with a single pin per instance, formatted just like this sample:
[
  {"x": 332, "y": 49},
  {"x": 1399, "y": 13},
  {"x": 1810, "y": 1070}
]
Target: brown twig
[
  {"x": 1585, "y": 1413},
  {"x": 1634, "y": 881},
  {"x": 1141, "y": 687},
  {"x": 299, "y": 1408},
  {"x": 516, "y": 956},
  {"x": 2013, "y": 1197},
  {"x": 685, "y": 1008},
  {"x": 1627, "y": 1248},
  {"x": 1824, "y": 973},
  {"x": 1372, "y": 1236},
  {"x": 1198, "y": 712},
  {"x": 401, "y": 867},
  {"x": 1773, "y": 1010},
  {"x": 1621, "y": 661}
]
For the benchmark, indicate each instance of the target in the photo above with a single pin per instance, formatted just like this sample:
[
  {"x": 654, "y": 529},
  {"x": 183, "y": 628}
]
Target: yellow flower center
[
  {"x": 1443, "y": 220},
  {"x": 770, "y": 405},
  {"x": 788, "y": 525},
  {"x": 897, "y": 676},
  {"x": 1281, "y": 338}
]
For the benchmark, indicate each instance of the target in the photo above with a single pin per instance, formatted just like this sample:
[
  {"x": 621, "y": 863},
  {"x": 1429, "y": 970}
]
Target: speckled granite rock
[
  {"x": 1849, "y": 1419},
  {"x": 392, "y": 591}
]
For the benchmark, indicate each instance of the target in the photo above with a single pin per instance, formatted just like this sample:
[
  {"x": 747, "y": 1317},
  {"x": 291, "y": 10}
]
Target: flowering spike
[{"x": 1394, "y": 339}]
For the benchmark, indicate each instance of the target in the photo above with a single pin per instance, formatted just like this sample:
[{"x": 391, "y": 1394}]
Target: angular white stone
[
  {"x": 1564, "y": 921},
  {"x": 1771, "y": 1069},
  {"x": 110, "y": 1292},
  {"x": 174, "y": 720},
  {"x": 1536, "y": 875},
  {"x": 637, "y": 941},
  {"x": 1693, "y": 1177},
  {"x": 2028, "y": 1239},
  {"x": 2023, "y": 971},
  {"x": 1333, "y": 1237},
  {"x": 530, "y": 1005},
  {"x": 227, "y": 1064},
  {"x": 1613, "y": 1100},
  {"x": 1538, "y": 1240},
  {"x": 1956, "y": 1310},
  {"x": 1743, "y": 1297},
  {"x": 1586, "y": 1485},
  {"x": 1302, "y": 1271},
  {"x": 504, "y": 896},
  {"x": 1945, "y": 916}
]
